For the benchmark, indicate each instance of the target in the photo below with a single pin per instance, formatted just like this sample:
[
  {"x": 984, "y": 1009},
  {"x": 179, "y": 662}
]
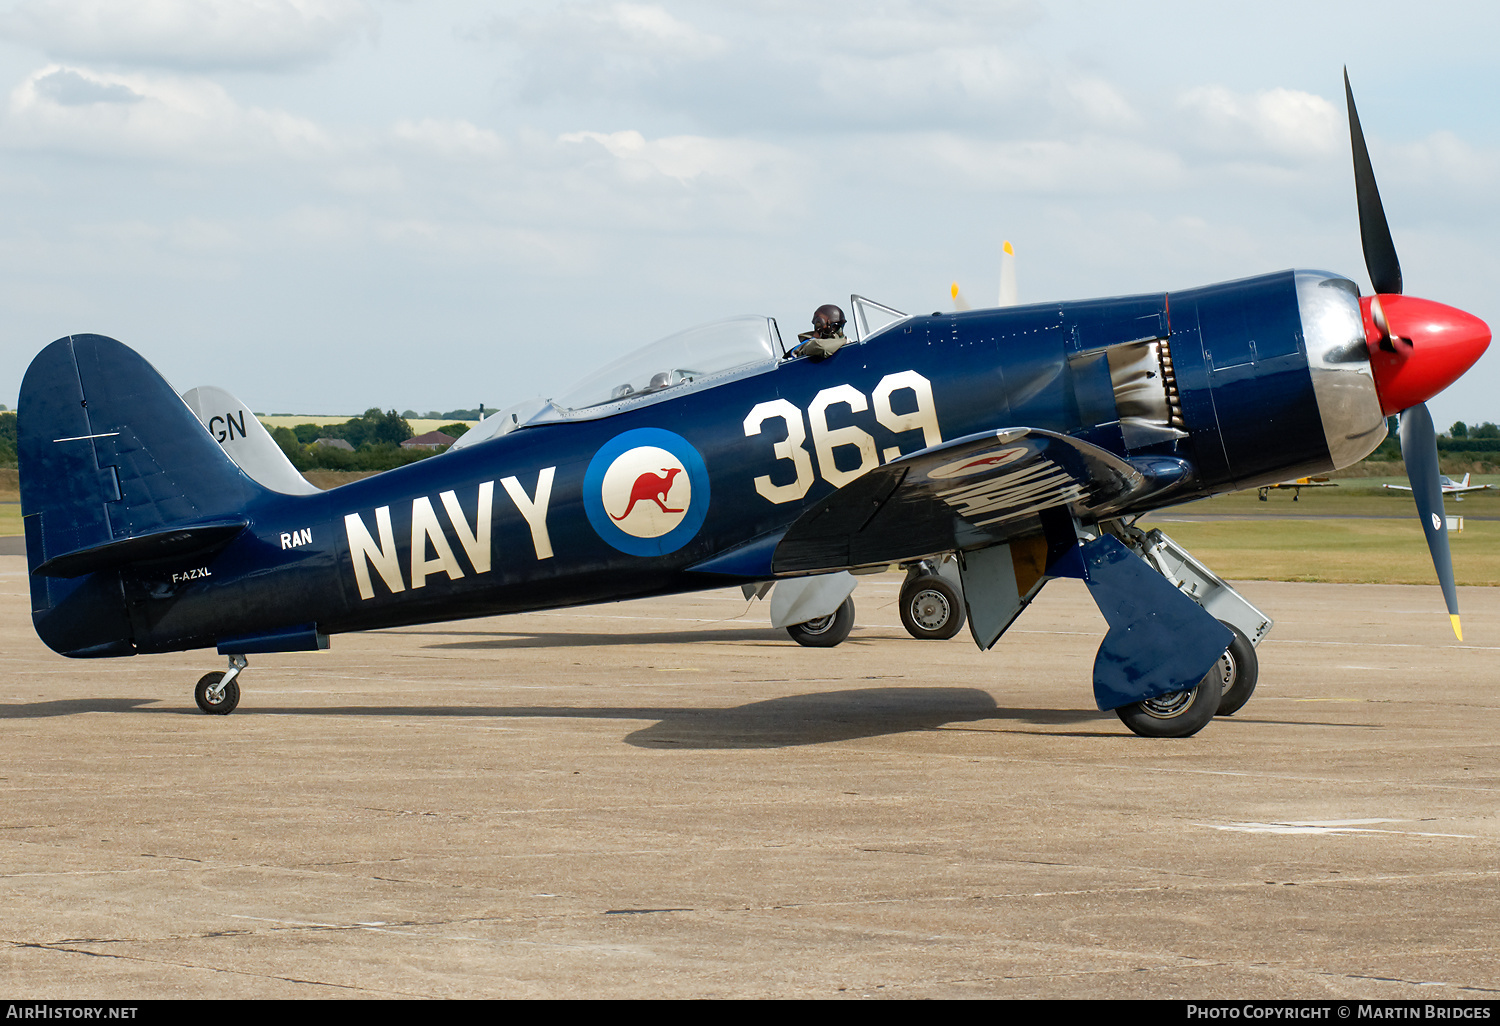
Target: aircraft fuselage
[{"x": 582, "y": 510}]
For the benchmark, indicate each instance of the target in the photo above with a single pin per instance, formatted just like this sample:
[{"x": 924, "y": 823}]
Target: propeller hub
[{"x": 1418, "y": 347}]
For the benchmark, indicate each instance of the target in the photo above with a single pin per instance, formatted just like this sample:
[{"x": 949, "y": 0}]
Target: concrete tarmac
[{"x": 666, "y": 798}]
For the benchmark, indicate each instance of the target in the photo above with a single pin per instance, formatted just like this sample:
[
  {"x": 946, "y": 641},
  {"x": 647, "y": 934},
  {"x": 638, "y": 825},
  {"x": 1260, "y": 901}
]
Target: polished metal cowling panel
[{"x": 1339, "y": 362}]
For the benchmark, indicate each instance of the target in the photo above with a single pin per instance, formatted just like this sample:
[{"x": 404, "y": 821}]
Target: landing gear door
[{"x": 870, "y": 316}]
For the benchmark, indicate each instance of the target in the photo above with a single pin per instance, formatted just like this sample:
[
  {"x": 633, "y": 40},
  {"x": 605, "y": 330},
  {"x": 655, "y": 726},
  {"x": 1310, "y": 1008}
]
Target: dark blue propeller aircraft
[{"x": 1024, "y": 439}]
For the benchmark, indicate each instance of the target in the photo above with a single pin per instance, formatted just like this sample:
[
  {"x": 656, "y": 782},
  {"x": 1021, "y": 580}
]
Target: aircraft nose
[{"x": 1418, "y": 347}]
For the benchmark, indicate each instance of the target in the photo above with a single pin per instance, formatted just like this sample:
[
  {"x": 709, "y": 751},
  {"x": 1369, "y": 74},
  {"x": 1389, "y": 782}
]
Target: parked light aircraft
[
  {"x": 1025, "y": 440},
  {"x": 1449, "y": 486},
  {"x": 1296, "y": 486}
]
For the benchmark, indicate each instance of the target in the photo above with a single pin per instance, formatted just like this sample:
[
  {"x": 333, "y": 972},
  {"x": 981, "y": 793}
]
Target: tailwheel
[
  {"x": 931, "y": 609},
  {"x": 1177, "y": 714},
  {"x": 218, "y": 693},
  {"x": 825, "y": 631}
]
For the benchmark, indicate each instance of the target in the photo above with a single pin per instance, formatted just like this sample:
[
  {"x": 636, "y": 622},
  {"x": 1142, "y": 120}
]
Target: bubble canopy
[{"x": 708, "y": 354}]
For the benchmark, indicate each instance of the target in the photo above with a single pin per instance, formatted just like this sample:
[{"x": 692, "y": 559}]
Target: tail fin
[{"x": 115, "y": 469}]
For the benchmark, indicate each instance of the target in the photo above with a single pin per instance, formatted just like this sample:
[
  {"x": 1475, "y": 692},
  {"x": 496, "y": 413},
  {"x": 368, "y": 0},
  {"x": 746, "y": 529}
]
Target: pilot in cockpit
[{"x": 827, "y": 334}]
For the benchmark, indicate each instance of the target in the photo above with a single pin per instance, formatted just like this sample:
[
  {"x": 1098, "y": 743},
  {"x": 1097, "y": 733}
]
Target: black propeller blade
[
  {"x": 1419, "y": 450},
  {"x": 1374, "y": 232},
  {"x": 1418, "y": 438}
]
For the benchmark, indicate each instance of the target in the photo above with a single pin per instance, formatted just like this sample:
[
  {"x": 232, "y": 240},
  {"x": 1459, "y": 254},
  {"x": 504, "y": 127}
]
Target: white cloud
[
  {"x": 189, "y": 33},
  {"x": 1086, "y": 165},
  {"x": 763, "y": 172},
  {"x": 688, "y": 156},
  {"x": 641, "y": 31},
  {"x": 1278, "y": 122},
  {"x": 925, "y": 79},
  {"x": 80, "y": 110},
  {"x": 1442, "y": 159},
  {"x": 448, "y": 138},
  {"x": 654, "y": 26},
  {"x": 1099, "y": 103}
]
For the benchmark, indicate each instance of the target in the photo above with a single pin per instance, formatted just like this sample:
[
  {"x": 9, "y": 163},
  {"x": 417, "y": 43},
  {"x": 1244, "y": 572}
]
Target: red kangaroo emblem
[{"x": 654, "y": 488}]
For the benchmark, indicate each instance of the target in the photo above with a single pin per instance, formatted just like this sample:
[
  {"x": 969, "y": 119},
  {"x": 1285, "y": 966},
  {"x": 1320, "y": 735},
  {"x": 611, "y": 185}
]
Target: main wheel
[
  {"x": 1178, "y": 714},
  {"x": 1238, "y": 670},
  {"x": 931, "y": 609},
  {"x": 825, "y": 631},
  {"x": 228, "y": 699}
]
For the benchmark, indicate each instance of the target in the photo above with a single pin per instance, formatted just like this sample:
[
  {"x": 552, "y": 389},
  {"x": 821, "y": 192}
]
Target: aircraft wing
[
  {"x": 1447, "y": 489},
  {"x": 972, "y": 492}
]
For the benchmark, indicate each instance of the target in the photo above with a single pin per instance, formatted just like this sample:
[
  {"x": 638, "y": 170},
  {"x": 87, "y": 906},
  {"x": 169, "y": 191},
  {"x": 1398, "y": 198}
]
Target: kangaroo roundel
[
  {"x": 646, "y": 492},
  {"x": 639, "y": 483}
]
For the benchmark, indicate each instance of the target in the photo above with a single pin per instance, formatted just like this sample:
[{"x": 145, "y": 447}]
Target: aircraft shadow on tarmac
[
  {"x": 838, "y": 716},
  {"x": 784, "y": 722},
  {"x": 72, "y": 707}
]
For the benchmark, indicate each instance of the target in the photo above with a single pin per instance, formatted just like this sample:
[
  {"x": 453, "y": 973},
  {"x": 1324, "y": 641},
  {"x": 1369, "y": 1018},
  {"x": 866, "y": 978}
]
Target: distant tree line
[
  {"x": 450, "y": 415},
  {"x": 1481, "y": 442},
  {"x": 375, "y": 435},
  {"x": 7, "y": 439},
  {"x": 1476, "y": 444}
]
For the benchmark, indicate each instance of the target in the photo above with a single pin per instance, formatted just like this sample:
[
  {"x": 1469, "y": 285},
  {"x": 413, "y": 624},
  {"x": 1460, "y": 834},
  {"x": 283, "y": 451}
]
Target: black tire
[
  {"x": 1179, "y": 714},
  {"x": 1238, "y": 670},
  {"x": 825, "y": 631},
  {"x": 226, "y": 703},
  {"x": 931, "y": 609}
]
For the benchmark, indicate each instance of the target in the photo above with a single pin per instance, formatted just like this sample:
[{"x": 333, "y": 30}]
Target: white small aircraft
[{"x": 1450, "y": 487}]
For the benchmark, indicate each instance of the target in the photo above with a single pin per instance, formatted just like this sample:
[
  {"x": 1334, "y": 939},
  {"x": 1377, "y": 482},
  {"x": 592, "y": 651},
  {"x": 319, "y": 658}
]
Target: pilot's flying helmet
[{"x": 828, "y": 321}]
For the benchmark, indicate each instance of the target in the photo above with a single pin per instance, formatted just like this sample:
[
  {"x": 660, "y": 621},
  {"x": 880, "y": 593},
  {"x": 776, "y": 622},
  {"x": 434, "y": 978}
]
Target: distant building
[
  {"x": 335, "y": 443},
  {"x": 431, "y": 440}
]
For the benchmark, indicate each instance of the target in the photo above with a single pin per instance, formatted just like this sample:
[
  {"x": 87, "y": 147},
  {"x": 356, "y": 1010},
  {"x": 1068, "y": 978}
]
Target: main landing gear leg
[
  {"x": 218, "y": 693},
  {"x": 1238, "y": 668}
]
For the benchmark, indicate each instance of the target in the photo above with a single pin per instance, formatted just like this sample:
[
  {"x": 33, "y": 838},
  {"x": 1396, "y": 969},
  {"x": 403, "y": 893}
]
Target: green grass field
[
  {"x": 1336, "y": 551},
  {"x": 1354, "y": 497}
]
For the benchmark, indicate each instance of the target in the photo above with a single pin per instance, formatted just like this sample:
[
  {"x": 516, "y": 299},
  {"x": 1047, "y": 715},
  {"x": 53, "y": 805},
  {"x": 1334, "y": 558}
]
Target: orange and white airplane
[{"x": 1297, "y": 486}]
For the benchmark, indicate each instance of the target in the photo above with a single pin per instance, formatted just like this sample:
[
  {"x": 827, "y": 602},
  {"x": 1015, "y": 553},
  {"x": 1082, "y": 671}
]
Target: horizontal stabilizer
[
  {"x": 973, "y": 492},
  {"x": 167, "y": 543}
]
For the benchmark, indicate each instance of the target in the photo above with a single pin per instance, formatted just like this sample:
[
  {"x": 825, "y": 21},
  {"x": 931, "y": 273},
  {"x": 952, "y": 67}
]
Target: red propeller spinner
[{"x": 1418, "y": 347}]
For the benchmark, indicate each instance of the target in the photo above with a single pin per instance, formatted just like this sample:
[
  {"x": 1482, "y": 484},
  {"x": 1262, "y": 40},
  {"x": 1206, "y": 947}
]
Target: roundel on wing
[
  {"x": 979, "y": 463},
  {"x": 646, "y": 492}
]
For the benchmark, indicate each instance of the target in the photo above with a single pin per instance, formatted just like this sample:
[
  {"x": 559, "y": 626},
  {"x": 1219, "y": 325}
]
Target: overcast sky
[{"x": 324, "y": 205}]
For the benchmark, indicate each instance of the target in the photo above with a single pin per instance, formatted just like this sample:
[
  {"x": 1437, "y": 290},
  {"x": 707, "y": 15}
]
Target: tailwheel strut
[{"x": 218, "y": 693}]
